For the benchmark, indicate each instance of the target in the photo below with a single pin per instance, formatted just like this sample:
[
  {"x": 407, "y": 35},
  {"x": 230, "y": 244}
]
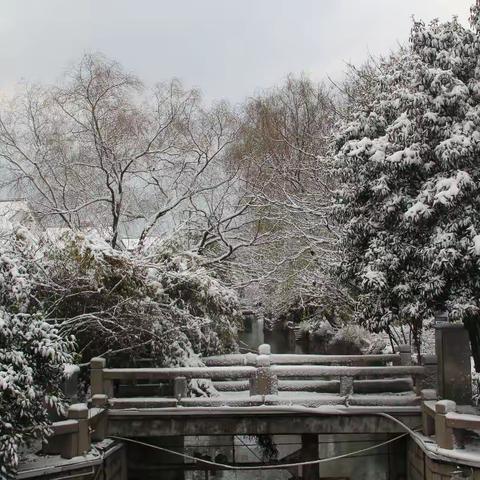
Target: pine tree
[{"x": 410, "y": 159}]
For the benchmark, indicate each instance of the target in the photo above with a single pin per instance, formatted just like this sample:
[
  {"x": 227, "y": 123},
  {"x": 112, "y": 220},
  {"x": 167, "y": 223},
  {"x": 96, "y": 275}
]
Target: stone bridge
[
  {"x": 254, "y": 394},
  {"x": 264, "y": 393}
]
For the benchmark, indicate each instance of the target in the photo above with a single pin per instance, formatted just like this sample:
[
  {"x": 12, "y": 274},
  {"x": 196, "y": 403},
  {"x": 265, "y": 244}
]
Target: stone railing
[
  {"x": 72, "y": 437},
  {"x": 238, "y": 359},
  {"x": 441, "y": 419},
  {"x": 264, "y": 370},
  {"x": 264, "y": 375}
]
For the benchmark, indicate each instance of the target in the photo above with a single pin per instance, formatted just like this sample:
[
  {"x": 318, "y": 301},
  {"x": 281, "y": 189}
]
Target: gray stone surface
[
  {"x": 138, "y": 424},
  {"x": 454, "y": 371}
]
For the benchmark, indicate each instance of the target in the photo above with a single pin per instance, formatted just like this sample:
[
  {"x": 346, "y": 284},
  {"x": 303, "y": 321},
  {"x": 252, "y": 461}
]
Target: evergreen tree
[
  {"x": 33, "y": 357},
  {"x": 410, "y": 159}
]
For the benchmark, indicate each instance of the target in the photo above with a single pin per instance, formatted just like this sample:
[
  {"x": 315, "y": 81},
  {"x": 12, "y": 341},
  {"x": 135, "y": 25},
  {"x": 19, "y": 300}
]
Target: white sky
[{"x": 227, "y": 48}]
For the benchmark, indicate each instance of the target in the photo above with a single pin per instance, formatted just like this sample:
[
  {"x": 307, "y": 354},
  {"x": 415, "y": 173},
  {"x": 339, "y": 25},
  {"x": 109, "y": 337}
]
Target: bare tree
[
  {"x": 284, "y": 151},
  {"x": 101, "y": 150}
]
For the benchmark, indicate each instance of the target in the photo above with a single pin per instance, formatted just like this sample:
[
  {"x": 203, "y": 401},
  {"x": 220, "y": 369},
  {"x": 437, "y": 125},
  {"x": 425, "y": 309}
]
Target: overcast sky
[{"x": 227, "y": 48}]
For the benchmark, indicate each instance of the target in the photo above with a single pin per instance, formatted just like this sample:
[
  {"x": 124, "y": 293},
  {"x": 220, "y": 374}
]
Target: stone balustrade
[
  {"x": 441, "y": 420},
  {"x": 262, "y": 371},
  {"x": 72, "y": 437}
]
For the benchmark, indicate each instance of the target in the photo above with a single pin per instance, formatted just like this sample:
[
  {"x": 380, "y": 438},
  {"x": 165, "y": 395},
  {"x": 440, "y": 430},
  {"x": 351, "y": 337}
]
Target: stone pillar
[
  {"x": 346, "y": 386},
  {"x": 101, "y": 427},
  {"x": 452, "y": 347},
  {"x": 443, "y": 434},
  {"x": 405, "y": 352},
  {"x": 264, "y": 349},
  {"x": 97, "y": 365},
  {"x": 263, "y": 381},
  {"x": 428, "y": 421},
  {"x": 430, "y": 364},
  {"x": 310, "y": 452},
  {"x": 79, "y": 412},
  {"x": 180, "y": 387}
]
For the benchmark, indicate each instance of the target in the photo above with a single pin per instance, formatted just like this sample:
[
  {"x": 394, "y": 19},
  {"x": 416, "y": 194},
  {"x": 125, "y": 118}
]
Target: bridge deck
[{"x": 149, "y": 422}]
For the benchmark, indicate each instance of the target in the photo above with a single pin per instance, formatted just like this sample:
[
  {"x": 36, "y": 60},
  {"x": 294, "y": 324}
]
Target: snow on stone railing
[
  {"x": 302, "y": 359},
  {"x": 261, "y": 372},
  {"x": 72, "y": 437},
  {"x": 441, "y": 419}
]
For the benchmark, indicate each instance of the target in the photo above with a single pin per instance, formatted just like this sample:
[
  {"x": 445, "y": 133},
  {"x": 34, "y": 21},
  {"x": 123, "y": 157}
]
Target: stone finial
[
  {"x": 78, "y": 411},
  {"x": 445, "y": 406},
  {"x": 264, "y": 349},
  {"x": 98, "y": 362},
  {"x": 99, "y": 400}
]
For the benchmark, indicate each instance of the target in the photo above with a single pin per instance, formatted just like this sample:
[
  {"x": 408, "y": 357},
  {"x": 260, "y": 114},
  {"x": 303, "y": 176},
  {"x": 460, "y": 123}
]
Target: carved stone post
[
  {"x": 452, "y": 347},
  {"x": 430, "y": 365},
  {"x": 346, "y": 385},
  {"x": 79, "y": 412},
  {"x": 444, "y": 434},
  {"x": 428, "y": 421},
  {"x": 180, "y": 387},
  {"x": 101, "y": 426},
  {"x": 405, "y": 352},
  {"x": 263, "y": 381},
  {"x": 97, "y": 365}
]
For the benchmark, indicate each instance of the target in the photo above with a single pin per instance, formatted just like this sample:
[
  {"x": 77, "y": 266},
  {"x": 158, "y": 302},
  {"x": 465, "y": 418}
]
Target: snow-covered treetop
[{"x": 410, "y": 159}]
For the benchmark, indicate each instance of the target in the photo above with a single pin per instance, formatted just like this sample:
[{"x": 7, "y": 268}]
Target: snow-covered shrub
[
  {"x": 159, "y": 305},
  {"x": 349, "y": 340},
  {"x": 309, "y": 311},
  {"x": 411, "y": 202},
  {"x": 321, "y": 328},
  {"x": 32, "y": 357}
]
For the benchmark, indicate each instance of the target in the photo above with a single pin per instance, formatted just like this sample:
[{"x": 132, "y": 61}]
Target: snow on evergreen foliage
[
  {"x": 160, "y": 304},
  {"x": 32, "y": 357},
  {"x": 411, "y": 203}
]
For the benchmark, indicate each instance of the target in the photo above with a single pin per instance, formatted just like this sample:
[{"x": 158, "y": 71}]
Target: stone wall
[
  {"x": 113, "y": 465},
  {"x": 420, "y": 467}
]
